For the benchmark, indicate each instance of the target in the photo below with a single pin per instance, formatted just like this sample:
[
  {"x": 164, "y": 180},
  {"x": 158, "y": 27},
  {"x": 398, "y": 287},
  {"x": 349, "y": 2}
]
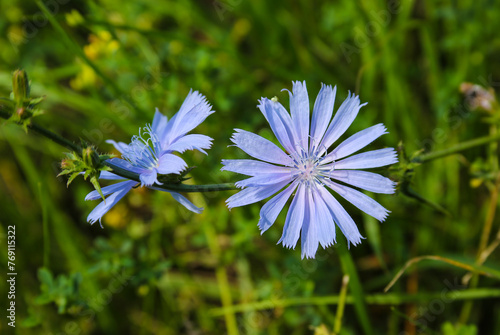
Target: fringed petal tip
[
  {"x": 290, "y": 246},
  {"x": 93, "y": 220},
  {"x": 149, "y": 178}
]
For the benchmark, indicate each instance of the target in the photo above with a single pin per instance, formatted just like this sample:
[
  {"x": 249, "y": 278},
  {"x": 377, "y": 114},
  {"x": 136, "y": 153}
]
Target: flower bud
[
  {"x": 478, "y": 97},
  {"x": 87, "y": 156},
  {"x": 90, "y": 157},
  {"x": 67, "y": 163},
  {"x": 20, "y": 85}
]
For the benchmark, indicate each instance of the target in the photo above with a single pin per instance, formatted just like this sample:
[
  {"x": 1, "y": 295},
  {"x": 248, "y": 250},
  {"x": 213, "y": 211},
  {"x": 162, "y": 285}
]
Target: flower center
[
  {"x": 309, "y": 168},
  {"x": 144, "y": 149}
]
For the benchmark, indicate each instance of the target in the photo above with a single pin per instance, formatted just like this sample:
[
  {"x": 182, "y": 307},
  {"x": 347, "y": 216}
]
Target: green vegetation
[{"x": 157, "y": 268}]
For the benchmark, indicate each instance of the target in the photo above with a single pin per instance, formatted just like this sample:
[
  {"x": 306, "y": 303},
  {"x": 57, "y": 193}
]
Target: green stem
[
  {"x": 45, "y": 227},
  {"x": 488, "y": 223},
  {"x": 456, "y": 149},
  {"x": 121, "y": 171},
  {"x": 355, "y": 287},
  {"x": 172, "y": 187},
  {"x": 340, "y": 307},
  {"x": 410, "y": 192},
  {"x": 222, "y": 279},
  {"x": 47, "y": 133},
  {"x": 379, "y": 299}
]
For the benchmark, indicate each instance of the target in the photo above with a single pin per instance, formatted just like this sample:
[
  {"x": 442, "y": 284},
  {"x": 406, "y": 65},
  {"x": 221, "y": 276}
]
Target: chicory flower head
[
  {"x": 151, "y": 153},
  {"x": 308, "y": 167}
]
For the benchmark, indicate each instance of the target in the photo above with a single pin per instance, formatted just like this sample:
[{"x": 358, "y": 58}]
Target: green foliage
[
  {"x": 158, "y": 269},
  {"x": 449, "y": 329},
  {"x": 63, "y": 290}
]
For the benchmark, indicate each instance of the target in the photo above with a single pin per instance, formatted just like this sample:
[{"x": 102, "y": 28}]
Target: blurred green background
[{"x": 156, "y": 268}]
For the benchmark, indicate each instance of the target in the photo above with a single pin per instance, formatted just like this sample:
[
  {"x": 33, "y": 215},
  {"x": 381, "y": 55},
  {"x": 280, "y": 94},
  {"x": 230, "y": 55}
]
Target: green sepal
[
  {"x": 95, "y": 181},
  {"x": 72, "y": 177},
  {"x": 87, "y": 163}
]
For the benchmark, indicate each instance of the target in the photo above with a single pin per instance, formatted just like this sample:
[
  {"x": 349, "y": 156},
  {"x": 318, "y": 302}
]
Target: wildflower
[
  {"x": 307, "y": 168},
  {"x": 151, "y": 154}
]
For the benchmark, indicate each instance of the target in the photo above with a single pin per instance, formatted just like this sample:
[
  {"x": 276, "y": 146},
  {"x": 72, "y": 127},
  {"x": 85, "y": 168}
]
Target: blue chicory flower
[
  {"x": 151, "y": 153},
  {"x": 307, "y": 168}
]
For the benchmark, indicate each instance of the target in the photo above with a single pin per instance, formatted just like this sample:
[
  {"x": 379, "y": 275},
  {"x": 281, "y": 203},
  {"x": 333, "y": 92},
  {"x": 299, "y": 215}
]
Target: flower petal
[
  {"x": 260, "y": 148},
  {"x": 341, "y": 217},
  {"x": 265, "y": 179},
  {"x": 120, "y": 146},
  {"x": 125, "y": 165},
  {"x": 251, "y": 167},
  {"x": 366, "y": 180},
  {"x": 369, "y": 159},
  {"x": 180, "y": 199},
  {"x": 186, "y": 203},
  {"x": 273, "y": 208},
  {"x": 324, "y": 221},
  {"x": 149, "y": 177},
  {"x": 159, "y": 123},
  {"x": 341, "y": 121},
  {"x": 309, "y": 237},
  {"x": 192, "y": 99},
  {"x": 191, "y": 142},
  {"x": 356, "y": 142},
  {"x": 168, "y": 163},
  {"x": 360, "y": 200},
  {"x": 251, "y": 195},
  {"x": 194, "y": 111},
  {"x": 94, "y": 195},
  {"x": 106, "y": 175},
  {"x": 294, "y": 219},
  {"x": 280, "y": 122},
  {"x": 322, "y": 113},
  {"x": 299, "y": 108},
  {"x": 110, "y": 201}
]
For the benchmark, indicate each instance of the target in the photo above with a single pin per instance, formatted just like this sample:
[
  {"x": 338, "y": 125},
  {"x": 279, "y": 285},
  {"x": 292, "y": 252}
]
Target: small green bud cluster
[
  {"x": 88, "y": 162},
  {"x": 20, "y": 106}
]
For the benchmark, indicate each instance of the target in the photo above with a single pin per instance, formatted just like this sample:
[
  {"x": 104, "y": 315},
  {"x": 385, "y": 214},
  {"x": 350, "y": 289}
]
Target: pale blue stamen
[{"x": 144, "y": 150}]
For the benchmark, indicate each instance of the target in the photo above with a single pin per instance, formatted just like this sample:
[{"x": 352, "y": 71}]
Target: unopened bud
[
  {"x": 479, "y": 98},
  {"x": 90, "y": 156},
  {"x": 66, "y": 164},
  {"x": 20, "y": 85},
  {"x": 87, "y": 155}
]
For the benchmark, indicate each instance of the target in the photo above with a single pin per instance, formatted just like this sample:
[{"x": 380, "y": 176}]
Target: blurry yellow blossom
[
  {"x": 117, "y": 217},
  {"x": 74, "y": 18},
  {"x": 476, "y": 182},
  {"x": 143, "y": 290},
  {"x": 85, "y": 78},
  {"x": 116, "y": 18},
  {"x": 240, "y": 30},
  {"x": 15, "y": 34},
  {"x": 12, "y": 13},
  {"x": 144, "y": 22},
  {"x": 101, "y": 46}
]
